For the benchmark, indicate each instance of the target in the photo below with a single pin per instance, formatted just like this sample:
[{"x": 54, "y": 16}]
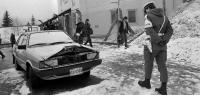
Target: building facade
[{"x": 102, "y": 13}]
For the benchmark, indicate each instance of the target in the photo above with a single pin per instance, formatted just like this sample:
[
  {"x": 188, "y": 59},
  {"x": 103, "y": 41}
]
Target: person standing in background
[
  {"x": 2, "y": 55},
  {"x": 79, "y": 31},
  {"x": 88, "y": 31},
  {"x": 123, "y": 31},
  {"x": 12, "y": 39}
]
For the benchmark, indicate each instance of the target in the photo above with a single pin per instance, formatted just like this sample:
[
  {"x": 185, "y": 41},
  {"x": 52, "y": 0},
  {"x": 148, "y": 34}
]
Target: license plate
[{"x": 76, "y": 71}]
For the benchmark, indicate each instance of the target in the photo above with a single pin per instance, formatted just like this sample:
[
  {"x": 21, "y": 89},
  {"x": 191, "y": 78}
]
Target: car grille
[{"x": 71, "y": 59}]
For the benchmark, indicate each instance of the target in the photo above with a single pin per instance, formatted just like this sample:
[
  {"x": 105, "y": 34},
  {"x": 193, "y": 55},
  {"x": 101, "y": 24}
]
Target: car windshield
[{"x": 49, "y": 38}]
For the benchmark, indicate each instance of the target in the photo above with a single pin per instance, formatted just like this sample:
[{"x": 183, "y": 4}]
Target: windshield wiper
[
  {"x": 59, "y": 42},
  {"x": 39, "y": 44}
]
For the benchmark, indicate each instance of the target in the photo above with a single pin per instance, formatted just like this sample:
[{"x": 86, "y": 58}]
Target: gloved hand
[{"x": 162, "y": 43}]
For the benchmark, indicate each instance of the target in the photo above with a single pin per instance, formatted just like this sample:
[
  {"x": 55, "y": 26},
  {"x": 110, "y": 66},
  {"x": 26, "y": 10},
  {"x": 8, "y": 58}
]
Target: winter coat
[
  {"x": 87, "y": 29},
  {"x": 122, "y": 29},
  {"x": 12, "y": 38},
  {"x": 153, "y": 22},
  {"x": 80, "y": 27}
]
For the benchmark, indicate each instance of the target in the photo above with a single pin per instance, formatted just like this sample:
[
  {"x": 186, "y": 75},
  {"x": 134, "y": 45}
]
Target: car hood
[{"x": 44, "y": 52}]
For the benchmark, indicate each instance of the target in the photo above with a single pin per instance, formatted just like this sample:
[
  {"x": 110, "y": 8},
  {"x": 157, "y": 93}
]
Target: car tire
[
  {"x": 17, "y": 67},
  {"x": 33, "y": 80},
  {"x": 86, "y": 74}
]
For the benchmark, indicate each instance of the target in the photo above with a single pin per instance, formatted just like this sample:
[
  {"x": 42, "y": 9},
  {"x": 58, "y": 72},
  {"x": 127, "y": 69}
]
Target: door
[{"x": 21, "y": 53}]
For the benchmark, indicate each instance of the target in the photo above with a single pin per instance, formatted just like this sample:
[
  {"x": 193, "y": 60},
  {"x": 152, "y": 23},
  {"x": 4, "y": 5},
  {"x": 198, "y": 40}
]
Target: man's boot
[
  {"x": 146, "y": 83},
  {"x": 163, "y": 89},
  {"x": 3, "y": 56}
]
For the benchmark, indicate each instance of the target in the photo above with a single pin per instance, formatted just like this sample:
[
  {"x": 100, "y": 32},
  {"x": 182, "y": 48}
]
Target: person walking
[
  {"x": 0, "y": 39},
  {"x": 12, "y": 39},
  {"x": 123, "y": 31},
  {"x": 159, "y": 31},
  {"x": 88, "y": 31},
  {"x": 79, "y": 32},
  {"x": 2, "y": 55}
]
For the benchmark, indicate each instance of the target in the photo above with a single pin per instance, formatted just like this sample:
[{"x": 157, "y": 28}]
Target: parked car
[{"x": 49, "y": 55}]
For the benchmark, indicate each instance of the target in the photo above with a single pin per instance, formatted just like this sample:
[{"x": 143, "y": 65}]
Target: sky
[{"x": 24, "y": 9}]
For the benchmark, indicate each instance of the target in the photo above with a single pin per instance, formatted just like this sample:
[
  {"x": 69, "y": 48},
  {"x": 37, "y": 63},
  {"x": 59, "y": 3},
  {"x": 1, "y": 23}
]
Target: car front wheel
[{"x": 33, "y": 80}]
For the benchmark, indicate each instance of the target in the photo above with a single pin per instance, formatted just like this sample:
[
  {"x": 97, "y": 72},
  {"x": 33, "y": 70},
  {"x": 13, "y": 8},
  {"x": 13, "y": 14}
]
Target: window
[
  {"x": 132, "y": 15},
  {"x": 49, "y": 37}
]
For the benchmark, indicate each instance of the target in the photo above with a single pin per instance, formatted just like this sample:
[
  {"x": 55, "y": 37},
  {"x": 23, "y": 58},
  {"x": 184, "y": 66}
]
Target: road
[{"x": 117, "y": 75}]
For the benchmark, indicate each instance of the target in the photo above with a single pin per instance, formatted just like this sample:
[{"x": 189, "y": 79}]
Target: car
[{"x": 49, "y": 55}]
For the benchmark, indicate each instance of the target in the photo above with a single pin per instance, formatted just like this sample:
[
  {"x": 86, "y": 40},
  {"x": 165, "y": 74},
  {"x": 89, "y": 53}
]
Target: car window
[{"x": 48, "y": 37}]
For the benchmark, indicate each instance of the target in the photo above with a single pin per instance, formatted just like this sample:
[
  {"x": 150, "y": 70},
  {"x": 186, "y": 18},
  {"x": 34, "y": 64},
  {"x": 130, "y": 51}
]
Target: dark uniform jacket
[
  {"x": 86, "y": 29},
  {"x": 153, "y": 22},
  {"x": 122, "y": 29},
  {"x": 80, "y": 27},
  {"x": 12, "y": 38}
]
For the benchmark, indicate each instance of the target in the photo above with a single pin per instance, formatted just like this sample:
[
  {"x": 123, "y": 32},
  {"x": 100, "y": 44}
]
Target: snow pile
[
  {"x": 182, "y": 7},
  {"x": 186, "y": 23},
  {"x": 185, "y": 50},
  {"x": 185, "y": 46}
]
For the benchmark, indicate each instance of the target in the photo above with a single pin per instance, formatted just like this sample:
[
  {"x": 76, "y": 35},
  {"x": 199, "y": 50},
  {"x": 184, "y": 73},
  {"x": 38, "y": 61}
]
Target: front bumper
[{"x": 64, "y": 71}]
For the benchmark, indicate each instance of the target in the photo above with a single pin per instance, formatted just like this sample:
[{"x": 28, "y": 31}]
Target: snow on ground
[
  {"x": 9, "y": 76},
  {"x": 112, "y": 54},
  {"x": 24, "y": 90}
]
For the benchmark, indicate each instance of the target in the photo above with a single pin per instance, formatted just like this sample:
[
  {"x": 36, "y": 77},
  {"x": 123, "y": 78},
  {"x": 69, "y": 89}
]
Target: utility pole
[
  {"x": 116, "y": 21},
  {"x": 118, "y": 13},
  {"x": 164, "y": 6}
]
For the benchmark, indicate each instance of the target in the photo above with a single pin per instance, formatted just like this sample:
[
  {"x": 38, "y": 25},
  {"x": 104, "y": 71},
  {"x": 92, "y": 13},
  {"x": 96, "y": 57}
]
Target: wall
[{"x": 99, "y": 11}]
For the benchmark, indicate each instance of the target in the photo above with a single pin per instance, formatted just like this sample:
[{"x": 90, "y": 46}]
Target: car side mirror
[{"x": 22, "y": 47}]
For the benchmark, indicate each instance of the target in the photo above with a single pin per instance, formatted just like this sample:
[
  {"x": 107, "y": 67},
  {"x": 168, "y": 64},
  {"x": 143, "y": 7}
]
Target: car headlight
[
  {"x": 48, "y": 63},
  {"x": 91, "y": 55},
  {"x": 52, "y": 62}
]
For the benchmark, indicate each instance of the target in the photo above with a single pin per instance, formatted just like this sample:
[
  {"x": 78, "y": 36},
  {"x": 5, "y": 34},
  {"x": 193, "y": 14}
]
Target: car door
[
  {"x": 17, "y": 51},
  {"x": 21, "y": 53}
]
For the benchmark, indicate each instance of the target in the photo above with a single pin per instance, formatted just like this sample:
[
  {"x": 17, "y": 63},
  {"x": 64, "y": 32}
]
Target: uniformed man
[
  {"x": 159, "y": 32},
  {"x": 88, "y": 31},
  {"x": 124, "y": 30},
  {"x": 79, "y": 31}
]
